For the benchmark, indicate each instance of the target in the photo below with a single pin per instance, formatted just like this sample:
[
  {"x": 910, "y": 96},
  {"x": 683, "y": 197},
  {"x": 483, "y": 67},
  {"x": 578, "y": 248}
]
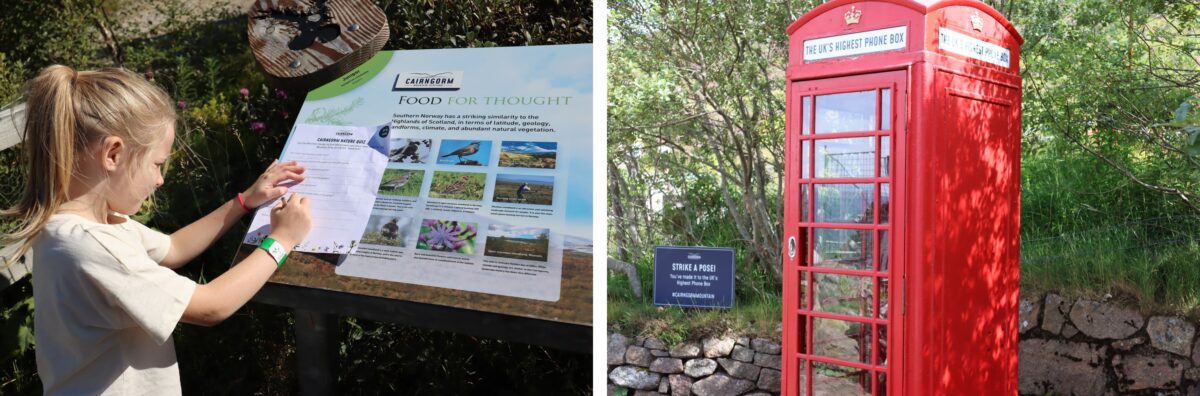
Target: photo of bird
[
  {"x": 464, "y": 151},
  {"x": 522, "y": 190},
  {"x": 397, "y": 183},
  {"x": 390, "y": 230},
  {"x": 401, "y": 182},
  {"x": 387, "y": 229},
  {"x": 466, "y": 186},
  {"x": 410, "y": 151},
  {"x": 456, "y": 187}
]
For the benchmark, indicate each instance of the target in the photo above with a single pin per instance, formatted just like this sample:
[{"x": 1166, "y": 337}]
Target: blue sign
[{"x": 693, "y": 276}]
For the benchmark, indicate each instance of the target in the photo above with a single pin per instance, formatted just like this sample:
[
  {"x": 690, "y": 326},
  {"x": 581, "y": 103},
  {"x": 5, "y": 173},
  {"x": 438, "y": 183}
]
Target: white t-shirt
[{"x": 104, "y": 308}]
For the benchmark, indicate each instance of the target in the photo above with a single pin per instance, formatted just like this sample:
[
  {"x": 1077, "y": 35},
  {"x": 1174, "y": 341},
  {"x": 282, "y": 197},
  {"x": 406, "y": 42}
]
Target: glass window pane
[
  {"x": 807, "y": 118},
  {"x": 882, "y": 345},
  {"x": 881, "y": 383},
  {"x": 843, "y": 294},
  {"x": 802, "y": 383},
  {"x": 803, "y": 291},
  {"x": 886, "y": 192},
  {"x": 829, "y": 379},
  {"x": 840, "y": 339},
  {"x": 850, "y": 249},
  {"x": 886, "y": 109},
  {"x": 883, "y": 251},
  {"x": 850, "y": 157},
  {"x": 845, "y": 203},
  {"x": 883, "y": 298},
  {"x": 885, "y": 162},
  {"x": 846, "y": 112},
  {"x": 804, "y": 159},
  {"x": 804, "y": 203}
]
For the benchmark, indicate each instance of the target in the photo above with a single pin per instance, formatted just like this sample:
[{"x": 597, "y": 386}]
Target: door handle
[{"x": 791, "y": 247}]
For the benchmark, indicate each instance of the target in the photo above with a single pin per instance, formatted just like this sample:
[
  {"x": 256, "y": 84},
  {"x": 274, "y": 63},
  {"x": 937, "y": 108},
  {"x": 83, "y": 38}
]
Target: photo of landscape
[
  {"x": 524, "y": 189},
  {"x": 522, "y": 154},
  {"x": 525, "y": 243}
]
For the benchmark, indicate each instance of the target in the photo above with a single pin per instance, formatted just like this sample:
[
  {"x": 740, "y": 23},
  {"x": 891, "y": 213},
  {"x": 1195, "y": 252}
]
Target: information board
[
  {"x": 693, "y": 276},
  {"x": 485, "y": 202}
]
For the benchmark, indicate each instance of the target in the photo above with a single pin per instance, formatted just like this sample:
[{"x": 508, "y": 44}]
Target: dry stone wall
[
  {"x": 1067, "y": 347},
  {"x": 643, "y": 366},
  {"x": 1089, "y": 347}
]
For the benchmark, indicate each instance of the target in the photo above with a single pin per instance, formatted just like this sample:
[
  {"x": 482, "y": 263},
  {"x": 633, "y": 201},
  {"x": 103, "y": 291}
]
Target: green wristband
[{"x": 275, "y": 249}]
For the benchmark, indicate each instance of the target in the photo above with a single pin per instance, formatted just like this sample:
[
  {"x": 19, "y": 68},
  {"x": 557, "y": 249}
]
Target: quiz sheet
[{"x": 342, "y": 169}]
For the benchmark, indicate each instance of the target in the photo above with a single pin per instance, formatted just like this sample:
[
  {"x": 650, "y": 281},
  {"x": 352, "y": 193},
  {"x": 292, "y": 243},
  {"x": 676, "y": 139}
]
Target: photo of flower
[{"x": 447, "y": 236}]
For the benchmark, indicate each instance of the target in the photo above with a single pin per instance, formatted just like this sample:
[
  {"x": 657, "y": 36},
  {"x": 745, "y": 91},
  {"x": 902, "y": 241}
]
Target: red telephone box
[{"x": 902, "y": 200}]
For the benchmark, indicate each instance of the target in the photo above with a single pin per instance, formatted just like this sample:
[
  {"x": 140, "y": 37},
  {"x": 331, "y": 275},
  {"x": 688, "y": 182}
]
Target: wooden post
[{"x": 316, "y": 351}]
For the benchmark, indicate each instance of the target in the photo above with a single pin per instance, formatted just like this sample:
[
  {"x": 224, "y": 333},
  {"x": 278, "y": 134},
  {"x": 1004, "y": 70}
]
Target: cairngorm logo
[
  {"x": 428, "y": 81},
  {"x": 693, "y": 256}
]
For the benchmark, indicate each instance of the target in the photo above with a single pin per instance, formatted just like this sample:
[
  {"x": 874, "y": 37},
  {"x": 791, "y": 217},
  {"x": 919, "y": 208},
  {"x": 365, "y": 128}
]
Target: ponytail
[
  {"x": 50, "y": 140},
  {"x": 65, "y": 111}
]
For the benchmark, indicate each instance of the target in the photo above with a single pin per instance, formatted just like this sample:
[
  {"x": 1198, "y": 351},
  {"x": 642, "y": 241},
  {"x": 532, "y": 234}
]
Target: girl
[{"x": 106, "y": 297}]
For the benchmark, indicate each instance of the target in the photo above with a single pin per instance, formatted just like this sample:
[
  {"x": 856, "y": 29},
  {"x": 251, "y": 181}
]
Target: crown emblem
[
  {"x": 853, "y": 15},
  {"x": 977, "y": 22}
]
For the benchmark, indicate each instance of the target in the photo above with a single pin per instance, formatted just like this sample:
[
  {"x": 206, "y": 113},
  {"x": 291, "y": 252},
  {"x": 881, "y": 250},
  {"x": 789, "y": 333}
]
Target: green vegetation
[
  {"x": 225, "y": 139},
  {"x": 695, "y": 152},
  {"x": 1110, "y": 177}
]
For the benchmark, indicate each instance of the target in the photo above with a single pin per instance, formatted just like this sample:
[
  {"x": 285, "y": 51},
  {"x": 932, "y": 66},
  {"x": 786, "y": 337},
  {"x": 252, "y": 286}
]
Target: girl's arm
[
  {"x": 215, "y": 301},
  {"x": 188, "y": 242}
]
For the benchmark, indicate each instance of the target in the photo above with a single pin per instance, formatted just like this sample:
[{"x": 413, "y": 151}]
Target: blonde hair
[{"x": 66, "y": 111}]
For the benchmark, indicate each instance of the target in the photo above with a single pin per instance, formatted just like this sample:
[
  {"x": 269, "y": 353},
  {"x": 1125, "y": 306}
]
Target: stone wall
[
  {"x": 712, "y": 366},
  {"x": 1067, "y": 347},
  {"x": 1087, "y": 347}
]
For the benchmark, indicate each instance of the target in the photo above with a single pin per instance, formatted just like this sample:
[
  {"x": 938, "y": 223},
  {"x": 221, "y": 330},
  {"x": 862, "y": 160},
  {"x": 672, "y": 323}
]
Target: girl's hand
[
  {"x": 268, "y": 187},
  {"x": 291, "y": 220}
]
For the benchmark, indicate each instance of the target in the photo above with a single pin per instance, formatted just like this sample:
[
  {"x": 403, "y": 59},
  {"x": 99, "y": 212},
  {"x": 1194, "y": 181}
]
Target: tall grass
[
  {"x": 1087, "y": 230},
  {"x": 1153, "y": 261}
]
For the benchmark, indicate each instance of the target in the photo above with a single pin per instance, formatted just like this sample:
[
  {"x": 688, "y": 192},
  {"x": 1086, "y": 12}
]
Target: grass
[
  {"x": 756, "y": 311},
  {"x": 1151, "y": 263}
]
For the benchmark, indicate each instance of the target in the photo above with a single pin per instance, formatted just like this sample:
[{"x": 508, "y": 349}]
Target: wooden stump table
[{"x": 303, "y": 44}]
